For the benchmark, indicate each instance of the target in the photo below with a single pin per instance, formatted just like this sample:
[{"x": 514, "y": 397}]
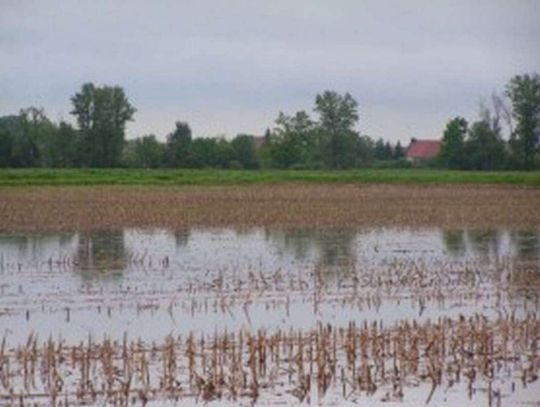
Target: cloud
[{"x": 230, "y": 67}]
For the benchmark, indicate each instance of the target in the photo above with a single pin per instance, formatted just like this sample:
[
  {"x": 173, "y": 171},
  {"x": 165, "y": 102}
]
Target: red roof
[{"x": 424, "y": 149}]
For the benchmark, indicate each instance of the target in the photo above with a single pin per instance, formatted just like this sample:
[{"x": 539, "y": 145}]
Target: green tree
[
  {"x": 102, "y": 114},
  {"x": 224, "y": 152},
  {"x": 453, "y": 143},
  {"x": 338, "y": 115},
  {"x": 204, "y": 153},
  {"x": 30, "y": 132},
  {"x": 364, "y": 151},
  {"x": 484, "y": 147},
  {"x": 143, "y": 152},
  {"x": 244, "y": 151},
  {"x": 6, "y": 144},
  {"x": 294, "y": 141},
  {"x": 524, "y": 93},
  {"x": 179, "y": 146},
  {"x": 60, "y": 148},
  {"x": 398, "y": 151},
  {"x": 388, "y": 151},
  {"x": 379, "y": 150}
]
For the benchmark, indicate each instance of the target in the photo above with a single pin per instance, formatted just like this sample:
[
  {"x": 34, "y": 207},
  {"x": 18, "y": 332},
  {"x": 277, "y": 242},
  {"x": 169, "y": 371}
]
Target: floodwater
[
  {"x": 152, "y": 283},
  {"x": 80, "y": 284}
]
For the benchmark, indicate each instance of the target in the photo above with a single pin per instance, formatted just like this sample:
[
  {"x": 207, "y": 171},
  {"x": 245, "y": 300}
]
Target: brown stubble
[{"x": 33, "y": 209}]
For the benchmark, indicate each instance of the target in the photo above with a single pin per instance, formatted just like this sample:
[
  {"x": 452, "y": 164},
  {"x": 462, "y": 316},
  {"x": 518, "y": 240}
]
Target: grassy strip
[{"x": 23, "y": 177}]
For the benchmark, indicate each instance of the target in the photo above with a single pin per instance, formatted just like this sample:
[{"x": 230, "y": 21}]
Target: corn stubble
[
  {"x": 370, "y": 360},
  {"x": 36, "y": 209}
]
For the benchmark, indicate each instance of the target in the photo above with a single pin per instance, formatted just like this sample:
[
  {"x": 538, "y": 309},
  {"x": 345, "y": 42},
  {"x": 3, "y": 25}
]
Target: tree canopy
[
  {"x": 101, "y": 113},
  {"x": 524, "y": 93},
  {"x": 505, "y": 136}
]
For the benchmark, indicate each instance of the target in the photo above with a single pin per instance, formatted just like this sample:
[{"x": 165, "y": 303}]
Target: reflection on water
[
  {"x": 98, "y": 251},
  {"x": 181, "y": 237},
  {"x": 201, "y": 279},
  {"x": 485, "y": 242},
  {"x": 526, "y": 242},
  {"x": 203, "y": 248},
  {"x": 333, "y": 247}
]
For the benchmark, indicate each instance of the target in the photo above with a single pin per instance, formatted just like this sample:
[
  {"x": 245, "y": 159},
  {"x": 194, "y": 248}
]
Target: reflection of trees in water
[
  {"x": 298, "y": 242},
  {"x": 490, "y": 242},
  {"x": 485, "y": 242},
  {"x": 181, "y": 237},
  {"x": 332, "y": 247},
  {"x": 336, "y": 248},
  {"x": 36, "y": 247},
  {"x": 101, "y": 251},
  {"x": 526, "y": 242},
  {"x": 454, "y": 242}
]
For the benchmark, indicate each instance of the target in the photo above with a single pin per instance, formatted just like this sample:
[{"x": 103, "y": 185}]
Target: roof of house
[{"x": 424, "y": 149}]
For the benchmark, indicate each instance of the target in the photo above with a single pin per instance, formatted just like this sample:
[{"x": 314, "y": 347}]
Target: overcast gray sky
[{"x": 229, "y": 67}]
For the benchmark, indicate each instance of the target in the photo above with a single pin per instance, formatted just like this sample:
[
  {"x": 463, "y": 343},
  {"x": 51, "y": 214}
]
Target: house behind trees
[{"x": 421, "y": 151}]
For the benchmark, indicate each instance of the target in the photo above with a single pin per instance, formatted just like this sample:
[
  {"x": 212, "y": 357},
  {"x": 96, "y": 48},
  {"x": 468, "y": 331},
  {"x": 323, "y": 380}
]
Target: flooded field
[{"x": 271, "y": 315}]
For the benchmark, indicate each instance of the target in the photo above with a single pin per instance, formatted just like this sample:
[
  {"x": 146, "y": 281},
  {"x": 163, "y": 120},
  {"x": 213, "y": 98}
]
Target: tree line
[
  {"x": 328, "y": 139},
  {"x": 481, "y": 145}
]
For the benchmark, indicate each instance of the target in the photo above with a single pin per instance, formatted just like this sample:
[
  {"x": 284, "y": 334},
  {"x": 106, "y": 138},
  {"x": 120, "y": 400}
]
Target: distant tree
[
  {"x": 60, "y": 149},
  {"x": 31, "y": 132},
  {"x": 453, "y": 142},
  {"x": 129, "y": 159},
  {"x": 205, "y": 153},
  {"x": 398, "y": 151},
  {"x": 364, "y": 151},
  {"x": 267, "y": 136},
  {"x": 244, "y": 151},
  {"x": 388, "y": 151},
  {"x": 379, "y": 150},
  {"x": 524, "y": 93},
  {"x": 148, "y": 152},
  {"x": 179, "y": 146},
  {"x": 294, "y": 141},
  {"x": 484, "y": 148},
  {"x": 338, "y": 115},
  {"x": 6, "y": 144},
  {"x": 224, "y": 152},
  {"x": 102, "y": 114}
]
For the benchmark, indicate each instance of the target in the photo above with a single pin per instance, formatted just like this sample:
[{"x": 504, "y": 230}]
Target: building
[{"x": 420, "y": 151}]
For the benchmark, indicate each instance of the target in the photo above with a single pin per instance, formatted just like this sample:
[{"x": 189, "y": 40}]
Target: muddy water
[{"x": 150, "y": 283}]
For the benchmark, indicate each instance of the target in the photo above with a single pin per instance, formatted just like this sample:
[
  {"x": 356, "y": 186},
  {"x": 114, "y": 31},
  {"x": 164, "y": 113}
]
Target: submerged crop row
[{"x": 372, "y": 360}]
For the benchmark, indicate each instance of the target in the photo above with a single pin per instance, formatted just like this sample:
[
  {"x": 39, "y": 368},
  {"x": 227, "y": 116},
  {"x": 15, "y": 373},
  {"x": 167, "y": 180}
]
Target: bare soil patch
[{"x": 32, "y": 209}]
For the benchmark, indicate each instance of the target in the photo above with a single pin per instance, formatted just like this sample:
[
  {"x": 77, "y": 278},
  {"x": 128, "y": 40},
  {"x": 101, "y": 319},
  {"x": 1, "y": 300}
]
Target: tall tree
[
  {"x": 179, "y": 146},
  {"x": 338, "y": 115},
  {"x": 484, "y": 148},
  {"x": 31, "y": 130},
  {"x": 102, "y": 114},
  {"x": 453, "y": 142},
  {"x": 294, "y": 141},
  {"x": 524, "y": 93}
]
